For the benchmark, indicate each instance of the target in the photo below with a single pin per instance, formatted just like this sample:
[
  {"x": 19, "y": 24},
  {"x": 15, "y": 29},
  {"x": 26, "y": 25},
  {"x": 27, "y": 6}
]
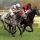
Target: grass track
[{"x": 4, "y": 35}]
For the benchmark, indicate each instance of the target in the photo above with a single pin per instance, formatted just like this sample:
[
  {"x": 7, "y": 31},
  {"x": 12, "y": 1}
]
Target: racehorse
[
  {"x": 5, "y": 20},
  {"x": 29, "y": 19},
  {"x": 17, "y": 20},
  {"x": 12, "y": 22}
]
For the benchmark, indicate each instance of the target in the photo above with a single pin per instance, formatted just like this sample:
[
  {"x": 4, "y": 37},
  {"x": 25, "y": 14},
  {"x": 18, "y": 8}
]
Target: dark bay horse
[{"x": 29, "y": 20}]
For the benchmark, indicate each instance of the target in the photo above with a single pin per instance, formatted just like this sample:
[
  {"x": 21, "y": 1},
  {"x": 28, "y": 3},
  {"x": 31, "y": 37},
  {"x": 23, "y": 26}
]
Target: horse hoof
[
  {"x": 9, "y": 31},
  {"x": 21, "y": 34},
  {"x": 5, "y": 28},
  {"x": 30, "y": 31},
  {"x": 13, "y": 34}
]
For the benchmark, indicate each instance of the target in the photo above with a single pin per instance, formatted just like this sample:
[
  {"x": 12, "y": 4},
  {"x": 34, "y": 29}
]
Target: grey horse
[{"x": 12, "y": 22}]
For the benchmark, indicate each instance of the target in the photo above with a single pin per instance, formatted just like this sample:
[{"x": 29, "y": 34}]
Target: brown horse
[{"x": 29, "y": 20}]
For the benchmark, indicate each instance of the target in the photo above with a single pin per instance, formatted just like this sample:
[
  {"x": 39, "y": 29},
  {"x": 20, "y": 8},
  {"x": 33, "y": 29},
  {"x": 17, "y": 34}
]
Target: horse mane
[
  {"x": 31, "y": 15},
  {"x": 29, "y": 18}
]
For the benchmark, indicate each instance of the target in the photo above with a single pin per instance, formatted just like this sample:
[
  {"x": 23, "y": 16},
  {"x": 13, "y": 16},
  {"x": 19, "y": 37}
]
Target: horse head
[
  {"x": 36, "y": 10},
  {"x": 33, "y": 12}
]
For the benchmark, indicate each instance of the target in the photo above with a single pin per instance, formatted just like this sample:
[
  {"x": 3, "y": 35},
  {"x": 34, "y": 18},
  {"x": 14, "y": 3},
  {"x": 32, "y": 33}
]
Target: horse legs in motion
[
  {"x": 28, "y": 30},
  {"x": 31, "y": 28},
  {"x": 20, "y": 29},
  {"x": 13, "y": 30}
]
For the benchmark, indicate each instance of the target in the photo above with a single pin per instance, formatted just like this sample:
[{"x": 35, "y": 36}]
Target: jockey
[
  {"x": 26, "y": 7},
  {"x": 18, "y": 6},
  {"x": 12, "y": 9}
]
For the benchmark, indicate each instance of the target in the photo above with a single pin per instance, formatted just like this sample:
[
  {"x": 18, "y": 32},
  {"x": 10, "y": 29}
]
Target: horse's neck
[{"x": 31, "y": 15}]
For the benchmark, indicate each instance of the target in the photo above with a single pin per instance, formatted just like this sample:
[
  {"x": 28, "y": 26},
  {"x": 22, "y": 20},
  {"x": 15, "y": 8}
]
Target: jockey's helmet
[{"x": 18, "y": 5}]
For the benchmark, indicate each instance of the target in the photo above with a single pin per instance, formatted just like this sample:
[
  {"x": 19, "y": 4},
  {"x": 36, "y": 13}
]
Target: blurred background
[{"x": 5, "y": 4}]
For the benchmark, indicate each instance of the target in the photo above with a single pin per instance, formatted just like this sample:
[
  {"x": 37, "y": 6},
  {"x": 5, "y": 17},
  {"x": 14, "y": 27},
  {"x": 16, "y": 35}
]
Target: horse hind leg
[
  {"x": 31, "y": 29},
  {"x": 23, "y": 27}
]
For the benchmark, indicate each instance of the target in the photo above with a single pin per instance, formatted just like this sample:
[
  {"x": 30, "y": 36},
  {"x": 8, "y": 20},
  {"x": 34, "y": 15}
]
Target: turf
[{"x": 4, "y": 35}]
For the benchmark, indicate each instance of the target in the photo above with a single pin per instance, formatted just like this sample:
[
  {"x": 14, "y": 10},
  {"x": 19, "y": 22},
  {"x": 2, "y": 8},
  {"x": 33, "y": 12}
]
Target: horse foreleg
[
  {"x": 9, "y": 29},
  {"x": 24, "y": 28},
  {"x": 20, "y": 29},
  {"x": 13, "y": 30}
]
